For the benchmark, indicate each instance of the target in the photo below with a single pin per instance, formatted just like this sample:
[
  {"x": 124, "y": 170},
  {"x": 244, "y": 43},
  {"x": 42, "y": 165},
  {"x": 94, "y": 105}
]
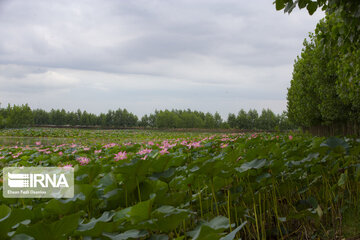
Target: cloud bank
[{"x": 208, "y": 55}]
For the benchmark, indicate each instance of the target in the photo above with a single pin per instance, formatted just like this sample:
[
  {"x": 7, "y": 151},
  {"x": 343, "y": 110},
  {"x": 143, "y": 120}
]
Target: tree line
[
  {"x": 325, "y": 88},
  {"x": 23, "y": 116}
]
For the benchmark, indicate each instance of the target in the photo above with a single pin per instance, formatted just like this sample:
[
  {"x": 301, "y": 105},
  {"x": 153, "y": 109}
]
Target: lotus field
[{"x": 162, "y": 185}]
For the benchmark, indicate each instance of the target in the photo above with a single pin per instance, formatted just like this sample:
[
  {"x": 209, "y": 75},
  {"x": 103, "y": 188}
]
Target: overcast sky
[{"x": 142, "y": 55}]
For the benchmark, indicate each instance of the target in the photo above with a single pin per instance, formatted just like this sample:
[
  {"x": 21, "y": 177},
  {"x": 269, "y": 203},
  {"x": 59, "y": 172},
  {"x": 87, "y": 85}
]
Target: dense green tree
[
  {"x": 72, "y": 119},
  {"x": 317, "y": 95},
  {"x": 167, "y": 119},
  {"x": 302, "y": 97},
  {"x": 110, "y": 118},
  {"x": 101, "y": 120},
  {"x": 84, "y": 119},
  {"x": 152, "y": 120},
  {"x": 119, "y": 118},
  {"x": 19, "y": 116},
  {"x": 242, "y": 119},
  {"x": 131, "y": 120},
  {"x": 285, "y": 123},
  {"x": 78, "y": 117},
  {"x": 218, "y": 120},
  {"x": 232, "y": 120},
  {"x": 209, "y": 121},
  {"x": 2, "y": 122},
  {"x": 22, "y": 116},
  {"x": 191, "y": 120},
  {"x": 267, "y": 120},
  {"x": 144, "y": 121},
  {"x": 335, "y": 50},
  {"x": 253, "y": 118},
  {"x": 41, "y": 117}
]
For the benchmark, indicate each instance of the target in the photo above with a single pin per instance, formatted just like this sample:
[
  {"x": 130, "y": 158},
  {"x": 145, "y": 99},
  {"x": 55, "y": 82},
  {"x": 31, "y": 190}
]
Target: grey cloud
[
  {"x": 230, "y": 50},
  {"x": 19, "y": 71},
  {"x": 162, "y": 29}
]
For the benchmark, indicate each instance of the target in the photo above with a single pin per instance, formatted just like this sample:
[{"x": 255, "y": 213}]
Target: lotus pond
[{"x": 154, "y": 185}]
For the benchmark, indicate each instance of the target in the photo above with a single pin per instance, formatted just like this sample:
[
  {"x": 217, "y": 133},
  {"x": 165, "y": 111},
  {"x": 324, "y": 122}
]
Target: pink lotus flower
[
  {"x": 162, "y": 152},
  {"x": 224, "y": 145},
  {"x": 109, "y": 145},
  {"x": 60, "y": 153},
  {"x": 194, "y": 144},
  {"x": 97, "y": 151},
  {"x": 86, "y": 149},
  {"x": 150, "y": 143},
  {"x": 2, "y": 157},
  {"x": 290, "y": 137},
  {"x": 120, "y": 156},
  {"x": 144, "y": 151},
  {"x": 37, "y": 143},
  {"x": 17, "y": 155},
  {"x": 67, "y": 166},
  {"x": 83, "y": 160},
  {"x": 166, "y": 145}
]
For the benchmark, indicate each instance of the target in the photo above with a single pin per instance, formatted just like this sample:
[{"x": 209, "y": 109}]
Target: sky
[{"x": 143, "y": 55}]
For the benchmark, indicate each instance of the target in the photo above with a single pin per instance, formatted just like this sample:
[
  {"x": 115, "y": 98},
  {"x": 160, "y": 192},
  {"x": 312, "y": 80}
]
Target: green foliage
[
  {"x": 350, "y": 7},
  {"x": 349, "y": 81},
  {"x": 302, "y": 98},
  {"x": 130, "y": 234},
  {"x": 327, "y": 76},
  {"x": 266, "y": 121},
  {"x": 210, "y": 230},
  {"x": 324, "y": 89},
  {"x": 186, "y": 119},
  {"x": 232, "y": 120},
  {"x": 59, "y": 229},
  {"x": 2, "y": 122},
  {"x": 248, "y": 186},
  {"x": 232, "y": 235},
  {"x": 243, "y": 121},
  {"x": 18, "y": 116},
  {"x": 22, "y": 116},
  {"x": 167, "y": 119}
]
